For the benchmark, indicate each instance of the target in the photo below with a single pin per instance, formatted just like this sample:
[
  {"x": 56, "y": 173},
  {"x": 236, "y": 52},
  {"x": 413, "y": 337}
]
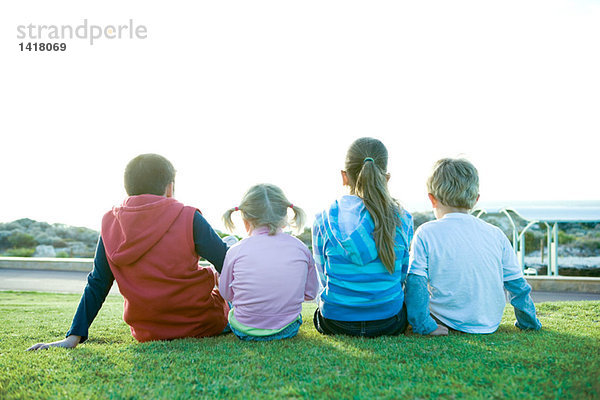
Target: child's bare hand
[
  {"x": 69, "y": 343},
  {"x": 440, "y": 331}
]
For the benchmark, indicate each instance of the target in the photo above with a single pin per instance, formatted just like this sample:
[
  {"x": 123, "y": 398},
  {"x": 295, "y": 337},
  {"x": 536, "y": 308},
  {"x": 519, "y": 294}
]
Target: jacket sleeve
[
  {"x": 518, "y": 295},
  {"x": 99, "y": 282},
  {"x": 226, "y": 278},
  {"x": 417, "y": 305},
  {"x": 416, "y": 292},
  {"x": 207, "y": 243},
  {"x": 318, "y": 242},
  {"x": 312, "y": 283}
]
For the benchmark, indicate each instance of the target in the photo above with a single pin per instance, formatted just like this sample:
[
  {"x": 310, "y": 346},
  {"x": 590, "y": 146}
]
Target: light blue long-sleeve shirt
[{"x": 464, "y": 265}]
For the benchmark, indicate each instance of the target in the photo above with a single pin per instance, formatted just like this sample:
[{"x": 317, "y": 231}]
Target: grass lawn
[{"x": 561, "y": 361}]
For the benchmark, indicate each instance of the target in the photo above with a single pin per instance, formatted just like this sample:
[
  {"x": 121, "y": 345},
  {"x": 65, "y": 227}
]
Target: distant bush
[
  {"x": 565, "y": 238},
  {"x": 22, "y": 240},
  {"x": 62, "y": 254},
  {"x": 25, "y": 222},
  {"x": 60, "y": 243},
  {"x": 45, "y": 239},
  {"x": 4, "y": 235},
  {"x": 419, "y": 218},
  {"x": 306, "y": 237},
  {"x": 588, "y": 243},
  {"x": 19, "y": 252}
]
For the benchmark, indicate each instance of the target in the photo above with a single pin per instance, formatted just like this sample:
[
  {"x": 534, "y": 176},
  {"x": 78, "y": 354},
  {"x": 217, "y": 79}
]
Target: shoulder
[
  {"x": 406, "y": 218},
  {"x": 235, "y": 252},
  {"x": 318, "y": 220},
  {"x": 405, "y": 215},
  {"x": 486, "y": 226},
  {"x": 427, "y": 227},
  {"x": 321, "y": 216},
  {"x": 292, "y": 240},
  {"x": 290, "y": 244}
]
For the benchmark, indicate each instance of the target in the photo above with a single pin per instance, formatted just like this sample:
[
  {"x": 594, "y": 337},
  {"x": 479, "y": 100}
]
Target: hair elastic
[
  {"x": 291, "y": 206},
  {"x": 368, "y": 159},
  {"x": 237, "y": 209}
]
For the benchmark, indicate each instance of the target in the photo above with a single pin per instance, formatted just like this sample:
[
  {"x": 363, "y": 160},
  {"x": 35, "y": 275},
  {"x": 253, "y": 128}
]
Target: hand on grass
[
  {"x": 441, "y": 330},
  {"x": 69, "y": 342}
]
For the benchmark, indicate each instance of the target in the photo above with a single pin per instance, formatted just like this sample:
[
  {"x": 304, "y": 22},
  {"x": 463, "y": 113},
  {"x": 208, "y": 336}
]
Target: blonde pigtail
[
  {"x": 299, "y": 218},
  {"x": 227, "y": 219}
]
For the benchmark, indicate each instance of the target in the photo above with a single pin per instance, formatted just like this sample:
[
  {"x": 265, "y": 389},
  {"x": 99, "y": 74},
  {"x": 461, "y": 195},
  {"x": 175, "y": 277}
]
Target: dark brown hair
[{"x": 148, "y": 174}]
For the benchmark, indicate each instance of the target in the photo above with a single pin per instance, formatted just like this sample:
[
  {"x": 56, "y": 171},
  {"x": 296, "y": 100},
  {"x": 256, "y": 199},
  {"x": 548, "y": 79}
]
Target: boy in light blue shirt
[{"x": 465, "y": 263}]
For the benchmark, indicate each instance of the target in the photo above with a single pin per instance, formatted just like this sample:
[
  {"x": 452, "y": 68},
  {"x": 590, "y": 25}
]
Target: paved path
[
  {"x": 74, "y": 282},
  {"x": 45, "y": 281}
]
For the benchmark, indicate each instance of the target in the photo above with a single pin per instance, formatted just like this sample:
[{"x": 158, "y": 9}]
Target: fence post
[{"x": 555, "y": 249}]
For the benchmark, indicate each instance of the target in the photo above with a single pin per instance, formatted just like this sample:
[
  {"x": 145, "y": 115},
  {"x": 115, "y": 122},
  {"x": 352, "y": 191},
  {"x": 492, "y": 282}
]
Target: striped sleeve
[{"x": 318, "y": 242}]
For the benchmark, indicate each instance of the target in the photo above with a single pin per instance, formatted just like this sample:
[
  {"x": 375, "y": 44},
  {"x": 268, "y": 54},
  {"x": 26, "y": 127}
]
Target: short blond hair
[
  {"x": 266, "y": 205},
  {"x": 454, "y": 182}
]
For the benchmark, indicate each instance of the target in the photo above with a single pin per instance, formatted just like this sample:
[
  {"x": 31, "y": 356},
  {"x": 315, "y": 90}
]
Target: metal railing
[{"x": 550, "y": 217}]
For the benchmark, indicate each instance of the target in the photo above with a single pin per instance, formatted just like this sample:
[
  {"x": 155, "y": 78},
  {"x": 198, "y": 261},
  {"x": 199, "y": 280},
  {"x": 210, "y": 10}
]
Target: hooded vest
[{"x": 150, "y": 250}]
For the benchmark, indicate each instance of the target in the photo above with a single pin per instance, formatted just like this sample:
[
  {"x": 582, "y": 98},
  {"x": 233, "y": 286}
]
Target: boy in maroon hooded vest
[{"x": 151, "y": 245}]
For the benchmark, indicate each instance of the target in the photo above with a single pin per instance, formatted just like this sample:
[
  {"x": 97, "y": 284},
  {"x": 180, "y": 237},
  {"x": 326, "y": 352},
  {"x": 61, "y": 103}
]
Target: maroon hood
[{"x": 129, "y": 231}]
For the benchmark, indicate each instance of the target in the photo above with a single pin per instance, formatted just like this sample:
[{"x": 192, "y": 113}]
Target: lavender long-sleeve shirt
[{"x": 267, "y": 278}]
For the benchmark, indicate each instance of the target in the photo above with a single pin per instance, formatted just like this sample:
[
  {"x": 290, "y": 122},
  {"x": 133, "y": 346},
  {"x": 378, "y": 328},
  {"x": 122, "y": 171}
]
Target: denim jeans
[
  {"x": 392, "y": 326},
  {"x": 289, "y": 332}
]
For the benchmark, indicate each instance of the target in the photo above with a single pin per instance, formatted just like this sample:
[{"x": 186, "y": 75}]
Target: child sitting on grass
[
  {"x": 268, "y": 275},
  {"x": 466, "y": 262},
  {"x": 360, "y": 244},
  {"x": 151, "y": 245}
]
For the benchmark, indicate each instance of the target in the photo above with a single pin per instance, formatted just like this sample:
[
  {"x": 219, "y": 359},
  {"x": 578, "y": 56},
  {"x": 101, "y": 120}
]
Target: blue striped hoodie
[{"x": 356, "y": 284}]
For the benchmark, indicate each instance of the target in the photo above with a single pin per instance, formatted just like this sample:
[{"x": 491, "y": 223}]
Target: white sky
[{"x": 241, "y": 92}]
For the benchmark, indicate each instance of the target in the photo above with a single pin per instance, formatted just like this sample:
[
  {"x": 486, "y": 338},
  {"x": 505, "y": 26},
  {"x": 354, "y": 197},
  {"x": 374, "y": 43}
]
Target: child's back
[
  {"x": 150, "y": 249},
  {"x": 467, "y": 261},
  {"x": 151, "y": 245},
  {"x": 359, "y": 287},
  {"x": 270, "y": 274},
  {"x": 268, "y": 277},
  {"x": 360, "y": 245}
]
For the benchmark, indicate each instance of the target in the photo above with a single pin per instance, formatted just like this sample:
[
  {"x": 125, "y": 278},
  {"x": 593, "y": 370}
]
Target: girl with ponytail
[
  {"x": 268, "y": 275},
  {"x": 360, "y": 246}
]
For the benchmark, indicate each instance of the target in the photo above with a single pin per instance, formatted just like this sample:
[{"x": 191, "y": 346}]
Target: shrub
[
  {"x": 22, "y": 240},
  {"x": 45, "y": 239},
  {"x": 4, "y": 235},
  {"x": 534, "y": 240},
  {"x": 62, "y": 254},
  {"x": 588, "y": 243},
  {"x": 565, "y": 238},
  {"x": 59, "y": 243},
  {"x": 306, "y": 238},
  {"x": 20, "y": 252},
  {"x": 419, "y": 218}
]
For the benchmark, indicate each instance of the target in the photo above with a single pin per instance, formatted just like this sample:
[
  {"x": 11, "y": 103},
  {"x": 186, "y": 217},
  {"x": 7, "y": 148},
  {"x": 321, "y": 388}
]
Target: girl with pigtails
[
  {"x": 268, "y": 275},
  {"x": 360, "y": 247}
]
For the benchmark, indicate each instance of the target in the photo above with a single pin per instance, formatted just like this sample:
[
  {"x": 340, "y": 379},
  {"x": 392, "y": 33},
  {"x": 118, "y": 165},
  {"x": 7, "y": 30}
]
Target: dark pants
[{"x": 392, "y": 326}]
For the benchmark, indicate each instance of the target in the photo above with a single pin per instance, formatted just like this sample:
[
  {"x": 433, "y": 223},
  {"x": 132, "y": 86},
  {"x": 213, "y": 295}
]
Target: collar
[
  {"x": 262, "y": 230},
  {"x": 456, "y": 215}
]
